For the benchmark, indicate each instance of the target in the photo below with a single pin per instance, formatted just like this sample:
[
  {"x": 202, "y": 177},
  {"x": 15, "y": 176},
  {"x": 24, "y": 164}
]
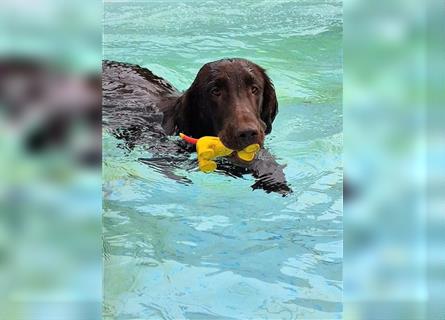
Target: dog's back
[{"x": 131, "y": 95}]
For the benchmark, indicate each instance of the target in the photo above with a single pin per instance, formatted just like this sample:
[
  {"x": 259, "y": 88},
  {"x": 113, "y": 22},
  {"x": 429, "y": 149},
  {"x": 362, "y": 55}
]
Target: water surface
[{"x": 213, "y": 248}]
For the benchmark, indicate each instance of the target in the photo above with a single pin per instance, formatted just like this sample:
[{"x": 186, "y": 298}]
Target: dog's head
[{"x": 233, "y": 99}]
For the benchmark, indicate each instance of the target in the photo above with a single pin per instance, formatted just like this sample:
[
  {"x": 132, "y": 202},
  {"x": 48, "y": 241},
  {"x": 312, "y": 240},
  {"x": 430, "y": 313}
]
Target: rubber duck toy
[{"x": 209, "y": 148}]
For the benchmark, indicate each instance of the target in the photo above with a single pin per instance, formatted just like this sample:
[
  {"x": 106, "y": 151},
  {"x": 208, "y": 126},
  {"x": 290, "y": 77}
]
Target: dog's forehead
[{"x": 230, "y": 69}]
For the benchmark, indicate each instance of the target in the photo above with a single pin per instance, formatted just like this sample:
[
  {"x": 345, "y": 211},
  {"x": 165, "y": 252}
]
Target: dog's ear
[
  {"x": 183, "y": 110},
  {"x": 187, "y": 113},
  {"x": 269, "y": 108}
]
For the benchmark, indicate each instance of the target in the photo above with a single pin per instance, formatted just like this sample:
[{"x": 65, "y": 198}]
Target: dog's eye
[
  {"x": 255, "y": 90},
  {"x": 215, "y": 91}
]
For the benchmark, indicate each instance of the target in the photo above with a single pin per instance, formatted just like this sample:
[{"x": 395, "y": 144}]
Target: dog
[{"x": 233, "y": 99}]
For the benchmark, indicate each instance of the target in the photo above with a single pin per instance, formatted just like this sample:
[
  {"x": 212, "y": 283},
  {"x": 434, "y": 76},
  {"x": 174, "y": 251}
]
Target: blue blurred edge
[
  {"x": 50, "y": 164},
  {"x": 394, "y": 262},
  {"x": 50, "y": 185}
]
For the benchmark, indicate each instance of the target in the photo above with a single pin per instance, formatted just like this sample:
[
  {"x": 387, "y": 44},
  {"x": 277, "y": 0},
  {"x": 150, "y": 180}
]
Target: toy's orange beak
[{"x": 188, "y": 139}]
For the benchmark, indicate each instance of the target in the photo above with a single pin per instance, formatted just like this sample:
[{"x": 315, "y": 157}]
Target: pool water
[{"x": 214, "y": 248}]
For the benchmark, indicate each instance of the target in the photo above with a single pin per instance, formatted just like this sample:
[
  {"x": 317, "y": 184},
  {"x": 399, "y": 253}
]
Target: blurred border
[
  {"x": 50, "y": 176},
  {"x": 394, "y": 264}
]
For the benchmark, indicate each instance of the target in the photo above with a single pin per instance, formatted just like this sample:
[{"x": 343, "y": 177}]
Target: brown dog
[{"x": 233, "y": 99}]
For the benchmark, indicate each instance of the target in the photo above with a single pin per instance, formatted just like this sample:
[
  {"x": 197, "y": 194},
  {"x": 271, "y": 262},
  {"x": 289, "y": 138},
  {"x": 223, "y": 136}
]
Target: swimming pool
[{"x": 213, "y": 248}]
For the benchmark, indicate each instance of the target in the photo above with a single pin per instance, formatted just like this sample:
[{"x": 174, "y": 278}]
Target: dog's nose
[{"x": 248, "y": 136}]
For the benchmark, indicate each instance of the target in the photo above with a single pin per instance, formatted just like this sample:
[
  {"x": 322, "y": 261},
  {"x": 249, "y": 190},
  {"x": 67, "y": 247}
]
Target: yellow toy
[{"x": 210, "y": 148}]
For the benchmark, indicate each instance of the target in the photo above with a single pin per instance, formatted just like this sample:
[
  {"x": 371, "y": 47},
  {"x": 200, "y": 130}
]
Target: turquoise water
[{"x": 215, "y": 249}]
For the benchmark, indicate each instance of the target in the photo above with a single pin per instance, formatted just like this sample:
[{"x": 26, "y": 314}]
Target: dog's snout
[{"x": 248, "y": 135}]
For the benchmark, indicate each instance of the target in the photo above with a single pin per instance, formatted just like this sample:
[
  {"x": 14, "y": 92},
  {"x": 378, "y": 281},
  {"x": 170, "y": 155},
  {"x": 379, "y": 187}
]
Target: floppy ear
[
  {"x": 190, "y": 116},
  {"x": 185, "y": 110},
  {"x": 269, "y": 108}
]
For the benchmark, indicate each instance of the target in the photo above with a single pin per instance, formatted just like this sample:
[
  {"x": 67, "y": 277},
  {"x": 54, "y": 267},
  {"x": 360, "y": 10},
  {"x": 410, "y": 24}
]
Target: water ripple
[{"x": 210, "y": 247}]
